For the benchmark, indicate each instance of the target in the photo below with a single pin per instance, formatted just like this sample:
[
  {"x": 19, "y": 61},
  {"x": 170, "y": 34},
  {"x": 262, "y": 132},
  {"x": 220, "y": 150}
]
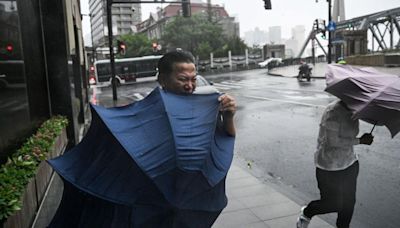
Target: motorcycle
[{"x": 304, "y": 73}]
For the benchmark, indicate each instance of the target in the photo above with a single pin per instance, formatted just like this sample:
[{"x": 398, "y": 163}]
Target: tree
[
  {"x": 136, "y": 45},
  {"x": 195, "y": 34},
  {"x": 234, "y": 44}
]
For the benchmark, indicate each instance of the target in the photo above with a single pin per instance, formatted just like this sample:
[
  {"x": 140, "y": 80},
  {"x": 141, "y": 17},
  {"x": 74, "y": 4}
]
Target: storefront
[{"x": 42, "y": 69}]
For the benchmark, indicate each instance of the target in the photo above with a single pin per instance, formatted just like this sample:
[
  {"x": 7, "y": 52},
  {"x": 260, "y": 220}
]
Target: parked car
[
  {"x": 203, "y": 86},
  {"x": 270, "y": 61}
]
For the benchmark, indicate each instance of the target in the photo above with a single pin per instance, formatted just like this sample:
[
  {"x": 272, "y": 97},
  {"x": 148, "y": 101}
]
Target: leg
[
  {"x": 348, "y": 190},
  {"x": 328, "y": 185}
]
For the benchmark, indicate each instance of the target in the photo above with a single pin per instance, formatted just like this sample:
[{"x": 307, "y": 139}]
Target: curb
[{"x": 294, "y": 76}]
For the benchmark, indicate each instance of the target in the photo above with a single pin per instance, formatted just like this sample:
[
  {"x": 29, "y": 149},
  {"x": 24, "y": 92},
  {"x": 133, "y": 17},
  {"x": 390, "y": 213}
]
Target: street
[{"x": 277, "y": 129}]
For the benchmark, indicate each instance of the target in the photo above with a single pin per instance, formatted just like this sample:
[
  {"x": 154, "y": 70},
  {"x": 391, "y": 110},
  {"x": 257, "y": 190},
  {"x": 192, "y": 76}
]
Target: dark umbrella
[
  {"x": 371, "y": 95},
  {"x": 160, "y": 162}
]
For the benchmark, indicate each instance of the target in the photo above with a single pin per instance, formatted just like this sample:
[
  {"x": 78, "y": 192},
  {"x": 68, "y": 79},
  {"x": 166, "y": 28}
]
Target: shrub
[{"x": 16, "y": 173}]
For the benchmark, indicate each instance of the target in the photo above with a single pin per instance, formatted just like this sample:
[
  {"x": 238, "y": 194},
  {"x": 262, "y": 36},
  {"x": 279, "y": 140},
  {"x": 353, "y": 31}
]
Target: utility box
[{"x": 274, "y": 51}]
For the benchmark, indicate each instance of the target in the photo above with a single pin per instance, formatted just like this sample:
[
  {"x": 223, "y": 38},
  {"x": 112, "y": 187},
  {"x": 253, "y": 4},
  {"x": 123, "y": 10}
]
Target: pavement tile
[
  {"x": 264, "y": 199},
  {"x": 253, "y": 190},
  {"x": 240, "y": 218},
  {"x": 234, "y": 205},
  {"x": 290, "y": 222},
  {"x": 241, "y": 182},
  {"x": 273, "y": 211}
]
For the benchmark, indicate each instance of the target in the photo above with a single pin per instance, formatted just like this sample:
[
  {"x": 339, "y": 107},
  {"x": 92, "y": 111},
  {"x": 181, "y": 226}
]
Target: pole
[
  {"x": 329, "y": 33},
  {"x": 110, "y": 45}
]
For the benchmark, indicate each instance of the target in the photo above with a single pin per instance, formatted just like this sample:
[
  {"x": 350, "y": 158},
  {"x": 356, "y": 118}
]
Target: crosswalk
[{"x": 228, "y": 86}]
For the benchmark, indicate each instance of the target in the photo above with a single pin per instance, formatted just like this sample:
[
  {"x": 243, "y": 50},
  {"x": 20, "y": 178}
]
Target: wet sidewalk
[
  {"x": 256, "y": 204},
  {"x": 252, "y": 203}
]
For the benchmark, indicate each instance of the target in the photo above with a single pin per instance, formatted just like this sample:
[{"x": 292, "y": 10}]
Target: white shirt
[{"x": 337, "y": 135}]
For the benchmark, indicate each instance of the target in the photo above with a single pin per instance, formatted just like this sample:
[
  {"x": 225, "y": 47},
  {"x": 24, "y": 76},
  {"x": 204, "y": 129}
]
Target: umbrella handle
[{"x": 372, "y": 128}]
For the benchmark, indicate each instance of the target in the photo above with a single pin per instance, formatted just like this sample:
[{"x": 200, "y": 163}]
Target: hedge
[{"x": 16, "y": 173}]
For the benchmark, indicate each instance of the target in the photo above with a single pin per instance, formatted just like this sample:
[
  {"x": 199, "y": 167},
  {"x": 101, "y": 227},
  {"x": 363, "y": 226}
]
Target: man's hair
[{"x": 166, "y": 63}]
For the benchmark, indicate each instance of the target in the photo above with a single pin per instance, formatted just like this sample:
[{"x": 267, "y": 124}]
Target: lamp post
[
  {"x": 330, "y": 32},
  {"x": 329, "y": 57},
  {"x": 110, "y": 45}
]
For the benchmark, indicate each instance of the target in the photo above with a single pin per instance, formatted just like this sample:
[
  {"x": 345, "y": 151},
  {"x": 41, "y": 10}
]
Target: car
[
  {"x": 268, "y": 61},
  {"x": 203, "y": 86}
]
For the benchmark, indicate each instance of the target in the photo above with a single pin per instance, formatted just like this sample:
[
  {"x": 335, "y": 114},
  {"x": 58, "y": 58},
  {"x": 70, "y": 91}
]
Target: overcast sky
[{"x": 284, "y": 13}]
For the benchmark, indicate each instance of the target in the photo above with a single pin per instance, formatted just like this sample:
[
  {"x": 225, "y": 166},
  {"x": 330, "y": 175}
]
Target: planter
[{"x": 36, "y": 188}]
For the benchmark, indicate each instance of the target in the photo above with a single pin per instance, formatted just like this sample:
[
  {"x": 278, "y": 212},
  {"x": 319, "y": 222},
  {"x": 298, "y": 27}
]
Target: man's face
[{"x": 182, "y": 79}]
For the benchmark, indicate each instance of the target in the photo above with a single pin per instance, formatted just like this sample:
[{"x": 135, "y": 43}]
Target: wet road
[{"x": 277, "y": 122}]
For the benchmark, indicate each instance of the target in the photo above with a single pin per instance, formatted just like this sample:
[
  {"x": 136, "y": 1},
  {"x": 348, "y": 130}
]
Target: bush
[{"x": 16, "y": 173}]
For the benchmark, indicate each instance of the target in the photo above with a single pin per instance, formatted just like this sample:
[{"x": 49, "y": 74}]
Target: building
[
  {"x": 155, "y": 24},
  {"x": 274, "y": 51},
  {"x": 256, "y": 37},
  {"x": 124, "y": 20},
  {"x": 275, "y": 34},
  {"x": 42, "y": 69},
  {"x": 294, "y": 44}
]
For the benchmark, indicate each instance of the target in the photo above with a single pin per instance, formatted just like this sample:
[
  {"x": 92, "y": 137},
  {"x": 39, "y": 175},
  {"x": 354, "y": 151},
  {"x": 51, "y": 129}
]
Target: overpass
[{"x": 380, "y": 29}]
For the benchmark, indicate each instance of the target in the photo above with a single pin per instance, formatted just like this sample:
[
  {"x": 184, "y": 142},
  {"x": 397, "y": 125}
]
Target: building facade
[
  {"x": 275, "y": 34},
  {"x": 124, "y": 19},
  {"x": 42, "y": 69},
  {"x": 155, "y": 24}
]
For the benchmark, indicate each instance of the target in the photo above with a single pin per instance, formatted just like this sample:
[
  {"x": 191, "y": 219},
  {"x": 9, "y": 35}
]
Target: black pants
[{"x": 338, "y": 194}]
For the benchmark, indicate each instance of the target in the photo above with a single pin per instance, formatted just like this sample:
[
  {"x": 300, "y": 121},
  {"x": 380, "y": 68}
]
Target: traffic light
[
  {"x": 267, "y": 4},
  {"x": 323, "y": 34},
  {"x": 186, "y": 10},
  {"x": 154, "y": 45},
  {"x": 9, "y": 48},
  {"x": 121, "y": 47}
]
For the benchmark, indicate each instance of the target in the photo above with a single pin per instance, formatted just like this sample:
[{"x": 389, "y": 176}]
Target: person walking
[{"x": 336, "y": 166}]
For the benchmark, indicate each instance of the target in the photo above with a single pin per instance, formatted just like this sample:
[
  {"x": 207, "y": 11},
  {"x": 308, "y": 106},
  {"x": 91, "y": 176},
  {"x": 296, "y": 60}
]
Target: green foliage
[
  {"x": 136, "y": 45},
  {"x": 201, "y": 37},
  {"x": 22, "y": 165},
  {"x": 195, "y": 34}
]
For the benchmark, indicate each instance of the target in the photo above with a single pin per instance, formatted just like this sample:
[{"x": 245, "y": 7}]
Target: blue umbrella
[{"x": 160, "y": 162}]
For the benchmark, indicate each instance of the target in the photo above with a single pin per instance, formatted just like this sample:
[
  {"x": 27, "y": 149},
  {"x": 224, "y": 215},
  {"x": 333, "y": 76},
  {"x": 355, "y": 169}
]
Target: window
[{"x": 15, "y": 123}]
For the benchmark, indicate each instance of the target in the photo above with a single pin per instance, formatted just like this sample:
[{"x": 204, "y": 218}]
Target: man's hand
[
  {"x": 228, "y": 104},
  {"x": 228, "y": 109},
  {"x": 366, "y": 139}
]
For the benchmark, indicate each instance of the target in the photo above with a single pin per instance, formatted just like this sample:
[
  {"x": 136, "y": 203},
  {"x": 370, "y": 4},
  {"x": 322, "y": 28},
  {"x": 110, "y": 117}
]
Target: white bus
[{"x": 126, "y": 70}]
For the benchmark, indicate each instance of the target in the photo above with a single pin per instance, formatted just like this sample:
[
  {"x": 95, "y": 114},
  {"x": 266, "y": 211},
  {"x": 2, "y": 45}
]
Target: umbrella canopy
[
  {"x": 160, "y": 159},
  {"x": 371, "y": 95}
]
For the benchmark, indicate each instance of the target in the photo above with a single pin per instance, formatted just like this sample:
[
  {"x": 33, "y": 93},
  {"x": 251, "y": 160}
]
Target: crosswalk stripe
[{"x": 138, "y": 96}]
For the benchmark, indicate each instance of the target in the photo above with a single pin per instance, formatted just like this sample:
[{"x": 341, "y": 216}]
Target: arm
[{"x": 228, "y": 109}]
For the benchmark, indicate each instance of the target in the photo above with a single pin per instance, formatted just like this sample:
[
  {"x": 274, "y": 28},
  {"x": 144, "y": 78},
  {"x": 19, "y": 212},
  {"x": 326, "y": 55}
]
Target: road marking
[
  {"x": 228, "y": 84},
  {"x": 138, "y": 96},
  {"x": 285, "y": 101}
]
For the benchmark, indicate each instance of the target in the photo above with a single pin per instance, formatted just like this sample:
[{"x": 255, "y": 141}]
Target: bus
[{"x": 126, "y": 70}]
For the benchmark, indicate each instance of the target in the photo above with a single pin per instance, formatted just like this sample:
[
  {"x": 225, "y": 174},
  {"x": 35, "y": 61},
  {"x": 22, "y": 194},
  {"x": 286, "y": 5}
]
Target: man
[
  {"x": 304, "y": 71},
  {"x": 177, "y": 74},
  {"x": 336, "y": 166}
]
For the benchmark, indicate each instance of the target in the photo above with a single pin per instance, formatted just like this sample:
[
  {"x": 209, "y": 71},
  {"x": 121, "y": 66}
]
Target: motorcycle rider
[{"x": 304, "y": 71}]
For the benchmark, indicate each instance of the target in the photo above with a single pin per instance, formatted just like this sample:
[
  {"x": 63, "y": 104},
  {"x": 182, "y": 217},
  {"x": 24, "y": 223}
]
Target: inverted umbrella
[
  {"x": 160, "y": 162},
  {"x": 371, "y": 95}
]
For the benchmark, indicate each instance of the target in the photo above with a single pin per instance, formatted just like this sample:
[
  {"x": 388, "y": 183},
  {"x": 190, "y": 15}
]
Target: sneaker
[{"x": 302, "y": 221}]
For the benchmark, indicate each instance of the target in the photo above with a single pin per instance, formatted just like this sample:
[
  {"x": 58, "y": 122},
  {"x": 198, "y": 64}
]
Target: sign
[{"x": 331, "y": 26}]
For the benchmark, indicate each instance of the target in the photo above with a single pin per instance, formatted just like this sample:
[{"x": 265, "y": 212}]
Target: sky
[{"x": 285, "y": 13}]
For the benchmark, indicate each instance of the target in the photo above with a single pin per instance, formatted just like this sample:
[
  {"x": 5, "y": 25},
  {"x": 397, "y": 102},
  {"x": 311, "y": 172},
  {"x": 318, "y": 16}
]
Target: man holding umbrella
[
  {"x": 159, "y": 162},
  {"x": 336, "y": 166}
]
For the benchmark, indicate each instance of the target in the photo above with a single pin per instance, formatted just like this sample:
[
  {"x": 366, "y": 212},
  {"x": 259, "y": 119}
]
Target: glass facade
[{"x": 15, "y": 123}]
